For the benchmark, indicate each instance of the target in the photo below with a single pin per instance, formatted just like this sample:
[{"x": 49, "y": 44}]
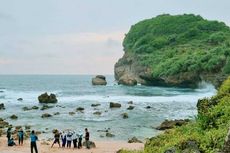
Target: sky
[{"x": 81, "y": 36}]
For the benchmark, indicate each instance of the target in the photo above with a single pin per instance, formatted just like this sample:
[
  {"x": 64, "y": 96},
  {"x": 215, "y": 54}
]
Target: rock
[
  {"x": 127, "y": 80},
  {"x": 114, "y": 105},
  {"x": 148, "y": 107},
  {"x": 44, "y": 107},
  {"x": 20, "y": 99},
  {"x": 80, "y": 109},
  {"x": 170, "y": 150},
  {"x": 72, "y": 113},
  {"x": 99, "y": 80},
  {"x": 170, "y": 124},
  {"x": 56, "y": 113},
  {"x": 134, "y": 140},
  {"x": 190, "y": 146},
  {"x": 95, "y": 105},
  {"x": 46, "y": 115},
  {"x": 97, "y": 113},
  {"x": 108, "y": 134},
  {"x": 3, "y": 124},
  {"x": 226, "y": 147},
  {"x": 2, "y": 107},
  {"x": 130, "y": 102},
  {"x": 26, "y": 108},
  {"x": 125, "y": 115},
  {"x": 13, "y": 117},
  {"x": 27, "y": 127},
  {"x": 35, "y": 107},
  {"x": 130, "y": 108},
  {"x": 45, "y": 98},
  {"x": 91, "y": 144}
]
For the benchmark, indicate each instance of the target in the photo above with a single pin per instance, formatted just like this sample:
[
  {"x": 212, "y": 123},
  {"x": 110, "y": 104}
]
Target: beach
[{"x": 45, "y": 147}]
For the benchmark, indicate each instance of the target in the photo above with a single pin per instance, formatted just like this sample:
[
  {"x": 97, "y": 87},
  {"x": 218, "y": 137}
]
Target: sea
[{"x": 75, "y": 91}]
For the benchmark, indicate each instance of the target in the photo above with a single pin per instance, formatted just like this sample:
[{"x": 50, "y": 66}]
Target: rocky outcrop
[
  {"x": 45, "y": 98},
  {"x": 114, "y": 105},
  {"x": 14, "y": 117},
  {"x": 2, "y": 106},
  {"x": 99, "y": 80},
  {"x": 134, "y": 140},
  {"x": 170, "y": 124},
  {"x": 46, "y": 115}
]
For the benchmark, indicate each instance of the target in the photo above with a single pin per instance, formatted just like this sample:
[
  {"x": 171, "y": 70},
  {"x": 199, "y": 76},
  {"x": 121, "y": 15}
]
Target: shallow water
[{"x": 76, "y": 91}]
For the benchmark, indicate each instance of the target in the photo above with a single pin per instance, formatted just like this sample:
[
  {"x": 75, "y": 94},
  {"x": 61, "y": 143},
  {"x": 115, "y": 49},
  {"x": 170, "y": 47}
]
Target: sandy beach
[{"x": 101, "y": 147}]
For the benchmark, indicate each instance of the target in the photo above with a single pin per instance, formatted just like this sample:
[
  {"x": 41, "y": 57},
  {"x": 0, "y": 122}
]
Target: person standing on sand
[
  {"x": 63, "y": 138},
  {"x": 8, "y": 134},
  {"x": 75, "y": 139},
  {"x": 20, "y": 137},
  {"x": 33, "y": 139},
  {"x": 56, "y": 138},
  {"x": 69, "y": 139},
  {"x": 87, "y": 138},
  {"x": 80, "y": 135}
]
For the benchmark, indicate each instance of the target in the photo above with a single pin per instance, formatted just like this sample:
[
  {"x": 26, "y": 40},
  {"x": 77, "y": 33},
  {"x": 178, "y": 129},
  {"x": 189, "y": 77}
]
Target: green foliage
[
  {"x": 208, "y": 130},
  {"x": 171, "y": 45}
]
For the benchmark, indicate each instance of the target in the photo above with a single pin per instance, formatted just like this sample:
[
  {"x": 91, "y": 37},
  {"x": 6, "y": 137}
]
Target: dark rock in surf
[
  {"x": 125, "y": 115},
  {"x": 95, "y": 105},
  {"x": 130, "y": 102},
  {"x": 46, "y": 115},
  {"x": 72, "y": 113},
  {"x": 14, "y": 117},
  {"x": 99, "y": 80},
  {"x": 97, "y": 113},
  {"x": 20, "y": 99},
  {"x": 130, "y": 108},
  {"x": 2, "y": 106},
  {"x": 44, "y": 107},
  {"x": 80, "y": 109},
  {"x": 45, "y": 98},
  {"x": 114, "y": 105}
]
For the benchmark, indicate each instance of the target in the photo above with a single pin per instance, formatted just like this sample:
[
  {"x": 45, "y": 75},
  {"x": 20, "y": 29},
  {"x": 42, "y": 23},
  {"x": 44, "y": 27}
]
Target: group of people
[
  {"x": 70, "y": 137},
  {"x": 67, "y": 139}
]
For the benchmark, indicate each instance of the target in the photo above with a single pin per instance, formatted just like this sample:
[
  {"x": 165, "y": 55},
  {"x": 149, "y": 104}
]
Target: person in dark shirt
[
  {"x": 87, "y": 138},
  {"x": 63, "y": 138},
  {"x": 8, "y": 134},
  {"x": 33, "y": 139},
  {"x": 20, "y": 137},
  {"x": 56, "y": 139}
]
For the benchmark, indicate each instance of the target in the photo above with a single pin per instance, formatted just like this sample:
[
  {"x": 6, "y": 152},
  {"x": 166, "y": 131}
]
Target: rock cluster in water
[
  {"x": 99, "y": 80},
  {"x": 45, "y": 98}
]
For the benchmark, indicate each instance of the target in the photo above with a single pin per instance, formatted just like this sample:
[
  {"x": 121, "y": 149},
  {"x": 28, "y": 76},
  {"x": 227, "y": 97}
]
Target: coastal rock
[
  {"x": 172, "y": 123},
  {"x": 2, "y": 107},
  {"x": 108, "y": 134},
  {"x": 56, "y": 113},
  {"x": 97, "y": 113},
  {"x": 125, "y": 115},
  {"x": 91, "y": 144},
  {"x": 44, "y": 107},
  {"x": 130, "y": 108},
  {"x": 20, "y": 99},
  {"x": 35, "y": 107},
  {"x": 72, "y": 113},
  {"x": 114, "y": 105},
  {"x": 46, "y": 115},
  {"x": 80, "y": 109},
  {"x": 26, "y": 108},
  {"x": 45, "y": 98},
  {"x": 127, "y": 80},
  {"x": 190, "y": 146},
  {"x": 3, "y": 124},
  {"x": 134, "y": 140},
  {"x": 14, "y": 117},
  {"x": 148, "y": 107},
  {"x": 95, "y": 105},
  {"x": 99, "y": 80}
]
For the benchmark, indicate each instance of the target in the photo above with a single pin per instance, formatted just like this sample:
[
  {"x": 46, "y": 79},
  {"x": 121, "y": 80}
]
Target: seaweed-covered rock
[
  {"x": 134, "y": 140},
  {"x": 2, "y": 106},
  {"x": 46, "y": 115},
  {"x": 99, "y": 80},
  {"x": 172, "y": 123},
  {"x": 14, "y": 117},
  {"x": 45, "y": 98},
  {"x": 114, "y": 105}
]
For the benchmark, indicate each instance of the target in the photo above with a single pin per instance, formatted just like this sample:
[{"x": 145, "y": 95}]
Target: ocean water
[{"x": 76, "y": 91}]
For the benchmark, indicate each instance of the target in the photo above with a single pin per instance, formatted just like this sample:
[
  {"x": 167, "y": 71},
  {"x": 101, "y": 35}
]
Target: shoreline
[{"x": 45, "y": 147}]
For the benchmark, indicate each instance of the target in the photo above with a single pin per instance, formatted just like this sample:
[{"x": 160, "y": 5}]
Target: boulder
[
  {"x": 46, "y": 115},
  {"x": 13, "y": 117},
  {"x": 72, "y": 113},
  {"x": 35, "y": 107},
  {"x": 148, "y": 107},
  {"x": 80, "y": 109},
  {"x": 97, "y": 113},
  {"x": 95, "y": 105},
  {"x": 26, "y": 108},
  {"x": 114, "y": 105},
  {"x": 20, "y": 99},
  {"x": 125, "y": 115},
  {"x": 3, "y": 124},
  {"x": 190, "y": 146},
  {"x": 44, "y": 107},
  {"x": 99, "y": 80},
  {"x": 172, "y": 123},
  {"x": 91, "y": 144},
  {"x": 130, "y": 108},
  {"x": 2, "y": 106},
  {"x": 130, "y": 102},
  {"x": 134, "y": 140},
  {"x": 45, "y": 98},
  {"x": 108, "y": 134},
  {"x": 127, "y": 80},
  {"x": 56, "y": 113}
]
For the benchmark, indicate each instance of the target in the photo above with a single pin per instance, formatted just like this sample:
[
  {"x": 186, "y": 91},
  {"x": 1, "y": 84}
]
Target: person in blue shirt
[
  {"x": 33, "y": 139},
  {"x": 20, "y": 137},
  {"x": 63, "y": 138},
  {"x": 80, "y": 135}
]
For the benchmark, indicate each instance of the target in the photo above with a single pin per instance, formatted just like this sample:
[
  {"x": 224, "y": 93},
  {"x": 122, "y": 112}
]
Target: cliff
[{"x": 180, "y": 50}]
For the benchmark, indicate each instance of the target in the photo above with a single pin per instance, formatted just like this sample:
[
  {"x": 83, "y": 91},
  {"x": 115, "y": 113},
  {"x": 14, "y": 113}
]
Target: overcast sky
[{"x": 80, "y": 36}]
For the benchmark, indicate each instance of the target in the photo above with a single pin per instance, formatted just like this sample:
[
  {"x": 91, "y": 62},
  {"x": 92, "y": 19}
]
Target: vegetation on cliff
[
  {"x": 173, "y": 45},
  {"x": 208, "y": 130}
]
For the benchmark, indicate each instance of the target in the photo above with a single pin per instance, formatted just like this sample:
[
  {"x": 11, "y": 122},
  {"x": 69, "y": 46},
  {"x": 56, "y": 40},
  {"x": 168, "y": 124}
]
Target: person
[
  {"x": 20, "y": 137},
  {"x": 56, "y": 138},
  {"x": 63, "y": 138},
  {"x": 33, "y": 139},
  {"x": 69, "y": 139},
  {"x": 74, "y": 137},
  {"x": 11, "y": 142},
  {"x": 8, "y": 134},
  {"x": 87, "y": 138},
  {"x": 80, "y": 135}
]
